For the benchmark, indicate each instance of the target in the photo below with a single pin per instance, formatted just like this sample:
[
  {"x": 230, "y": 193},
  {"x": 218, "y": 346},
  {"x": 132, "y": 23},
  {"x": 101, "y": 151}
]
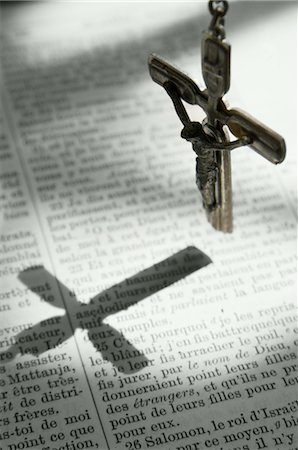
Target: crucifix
[{"x": 210, "y": 139}]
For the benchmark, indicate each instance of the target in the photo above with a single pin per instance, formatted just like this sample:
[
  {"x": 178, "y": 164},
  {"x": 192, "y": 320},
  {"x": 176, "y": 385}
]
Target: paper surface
[{"x": 108, "y": 337}]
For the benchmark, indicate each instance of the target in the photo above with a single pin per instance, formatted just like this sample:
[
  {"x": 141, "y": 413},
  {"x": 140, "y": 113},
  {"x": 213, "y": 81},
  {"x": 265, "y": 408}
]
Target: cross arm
[
  {"x": 151, "y": 280},
  {"x": 264, "y": 141},
  {"x": 161, "y": 72}
]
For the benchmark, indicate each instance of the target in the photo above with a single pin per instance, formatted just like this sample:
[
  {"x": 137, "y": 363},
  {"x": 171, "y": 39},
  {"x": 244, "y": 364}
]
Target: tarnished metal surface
[{"x": 210, "y": 140}]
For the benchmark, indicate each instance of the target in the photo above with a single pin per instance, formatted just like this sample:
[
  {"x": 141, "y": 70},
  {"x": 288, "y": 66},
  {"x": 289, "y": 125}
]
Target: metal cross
[{"x": 210, "y": 139}]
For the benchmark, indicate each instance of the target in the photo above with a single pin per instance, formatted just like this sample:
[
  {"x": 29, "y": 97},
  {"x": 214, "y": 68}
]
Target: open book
[{"x": 126, "y": 321}]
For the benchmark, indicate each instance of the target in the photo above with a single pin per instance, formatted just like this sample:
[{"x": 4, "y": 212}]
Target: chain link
[{"x": 218, "y": 9}]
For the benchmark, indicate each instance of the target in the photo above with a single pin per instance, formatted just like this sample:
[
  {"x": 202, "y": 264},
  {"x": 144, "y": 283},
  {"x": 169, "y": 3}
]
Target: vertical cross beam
[{"x": 216, "y": 74}]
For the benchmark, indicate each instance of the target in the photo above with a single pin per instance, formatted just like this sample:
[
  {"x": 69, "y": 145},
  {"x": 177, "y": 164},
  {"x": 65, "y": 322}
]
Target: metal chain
[{"x": 218, "y": 9}]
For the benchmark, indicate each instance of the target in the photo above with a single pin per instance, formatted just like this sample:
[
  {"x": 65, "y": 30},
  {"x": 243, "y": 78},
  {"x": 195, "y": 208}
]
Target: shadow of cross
[{"x": 114, "y": 347}]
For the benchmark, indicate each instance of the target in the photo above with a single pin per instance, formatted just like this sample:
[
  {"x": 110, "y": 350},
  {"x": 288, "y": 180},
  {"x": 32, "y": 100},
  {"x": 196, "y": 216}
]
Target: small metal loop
[
  {"x": 217, "y": 21},
  {"x": 218, "y": 7},
  {"x": 220, "y": 31}
]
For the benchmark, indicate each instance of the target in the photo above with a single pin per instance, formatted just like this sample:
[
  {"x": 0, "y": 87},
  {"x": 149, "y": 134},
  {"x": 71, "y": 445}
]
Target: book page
[{"x": 127, "y": 322}]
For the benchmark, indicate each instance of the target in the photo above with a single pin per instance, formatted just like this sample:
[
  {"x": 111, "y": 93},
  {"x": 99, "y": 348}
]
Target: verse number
[{"x": 135, "y": 445}]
